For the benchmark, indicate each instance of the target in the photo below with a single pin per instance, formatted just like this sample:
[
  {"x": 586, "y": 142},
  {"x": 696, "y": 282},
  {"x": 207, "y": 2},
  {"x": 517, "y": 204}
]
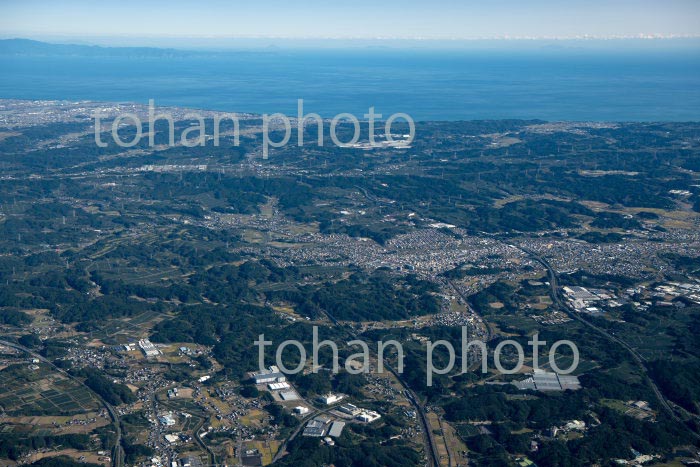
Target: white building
[
  {"x": 290, "y": 395},
  {"x": 368, "y": 416},
  {"x": 336, "y": 429},
  {"x": 576, "y": 425},
  {"x": 349, "y": 409},
  {"x": 278, "y": 386},
  {"x": 167, "y": 419},
  {"x": 272, "y": 375},
  {"x": 149, "y": 350},
  {"x": 330, "y": 398}
]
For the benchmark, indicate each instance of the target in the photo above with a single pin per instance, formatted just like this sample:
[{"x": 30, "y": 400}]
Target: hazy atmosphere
[{"x": 350, "y": 234}]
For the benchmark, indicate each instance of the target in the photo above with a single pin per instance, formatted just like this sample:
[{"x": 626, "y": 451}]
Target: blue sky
[{"x": 436, "y": 19}]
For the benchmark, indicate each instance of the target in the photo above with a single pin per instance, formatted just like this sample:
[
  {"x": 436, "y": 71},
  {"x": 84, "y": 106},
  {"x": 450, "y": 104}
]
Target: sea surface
[{"x": 427, "y": 85}]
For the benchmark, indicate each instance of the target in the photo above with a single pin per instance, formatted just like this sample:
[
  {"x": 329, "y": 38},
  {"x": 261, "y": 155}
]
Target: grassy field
[
  {"x": 127, "y": 330},
  {"x": 266, "y": 448},
  {"x": 253, "y": 418}
]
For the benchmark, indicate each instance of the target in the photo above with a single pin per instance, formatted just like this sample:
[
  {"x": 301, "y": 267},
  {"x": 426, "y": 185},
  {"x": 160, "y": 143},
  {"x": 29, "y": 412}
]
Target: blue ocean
[{"x": 426, "y": 84}]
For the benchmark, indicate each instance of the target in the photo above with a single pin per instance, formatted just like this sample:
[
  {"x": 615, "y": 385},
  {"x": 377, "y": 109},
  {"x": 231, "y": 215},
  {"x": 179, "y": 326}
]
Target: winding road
[
  {"x": 428, "y": 440},
  {"x": 636, "y": 356}
]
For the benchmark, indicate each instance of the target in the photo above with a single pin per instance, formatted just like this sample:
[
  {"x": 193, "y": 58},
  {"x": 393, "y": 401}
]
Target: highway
[
  {"x": 465, "y": 299},
  {"x": 638, "y": 359},
  {"x": 428, "y": 440},
  {"x": 118, "y": 451},
  {"x": 283, "y": 447}
]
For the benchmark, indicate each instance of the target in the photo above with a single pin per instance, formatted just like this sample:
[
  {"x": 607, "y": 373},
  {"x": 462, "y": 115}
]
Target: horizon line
[{"x": 578, "y": 37}]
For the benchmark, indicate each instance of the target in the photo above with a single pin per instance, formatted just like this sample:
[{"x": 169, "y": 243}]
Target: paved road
[
  {"x": 203, "y": 445},
  {"x": 465, "y": 299},
  {"x": 638, "y": 359},
  {"x": 283, "y": 447},
  {"x": 118, "y": 452},
  {"x": 428, "y": 440}
]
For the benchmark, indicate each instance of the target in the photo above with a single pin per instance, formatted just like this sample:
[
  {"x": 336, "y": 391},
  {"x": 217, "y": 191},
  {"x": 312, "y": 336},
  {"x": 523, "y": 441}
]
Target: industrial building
[
  {"x": 289, "y": 396},
  {"x": 336, "y": 429},
  {"x": 330, "y": 399},
  {"x": 148, "y": 349},
  {"x": 569, "y": 382},
  {"x": 278, "y": 386},
  {"x": 368, "y": 416},
  {"x": 272, "y": 375},
  {"x": 588, "y": 300},
  {"x": 316, "y": 427},
  {"x": 547, "y": 381},
  {"x": 349, "y": 409},
  {"x": 167, "y": 419}
]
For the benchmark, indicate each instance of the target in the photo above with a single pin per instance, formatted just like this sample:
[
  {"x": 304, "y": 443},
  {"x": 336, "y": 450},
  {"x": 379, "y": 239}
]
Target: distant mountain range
[
  {"x": 188, "y": 47},
  {"x": 36, "y": 48}
]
